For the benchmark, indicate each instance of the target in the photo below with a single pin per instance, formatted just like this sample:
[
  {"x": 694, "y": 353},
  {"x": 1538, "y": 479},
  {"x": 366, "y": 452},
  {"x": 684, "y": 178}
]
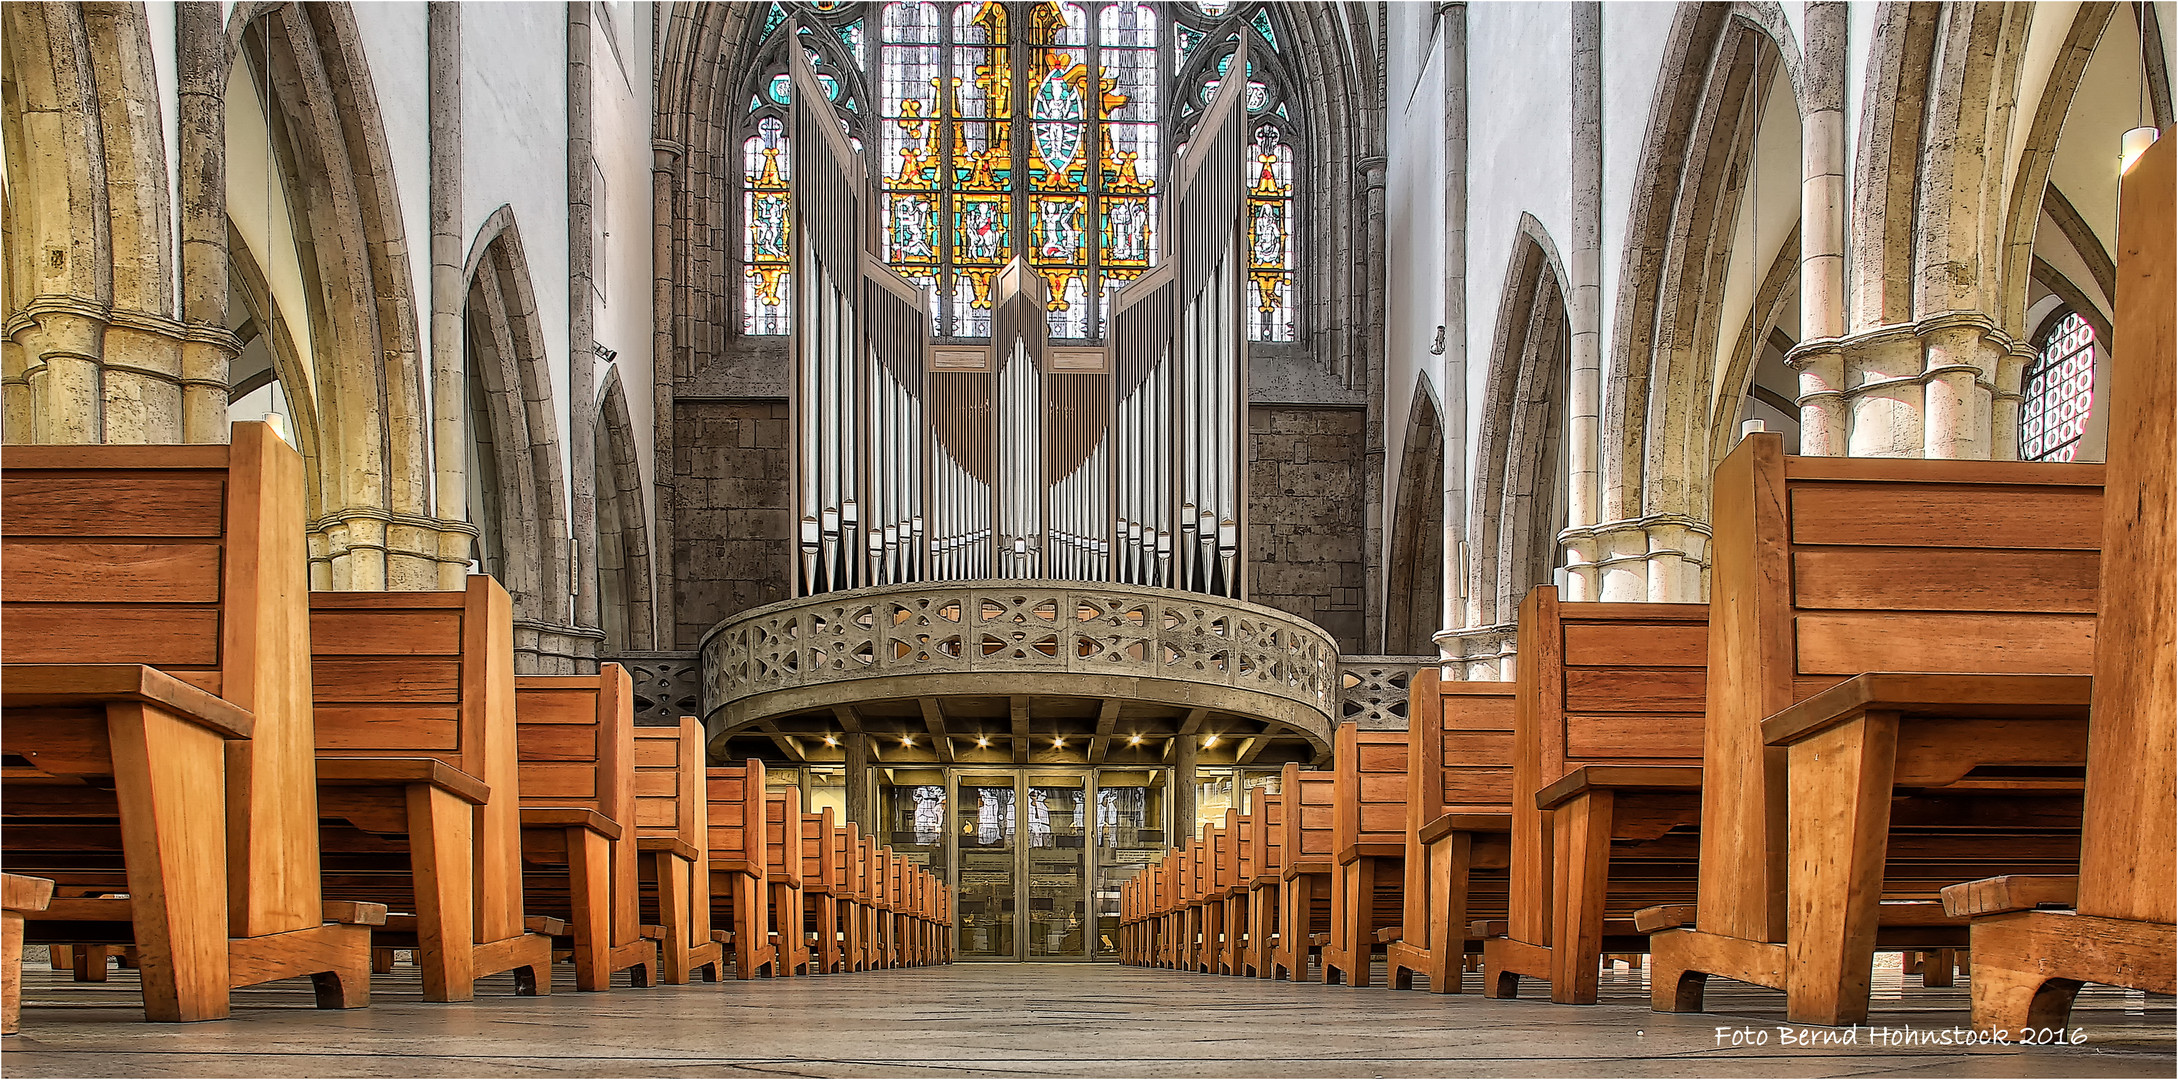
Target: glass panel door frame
[{"x": 962, "y": 818}]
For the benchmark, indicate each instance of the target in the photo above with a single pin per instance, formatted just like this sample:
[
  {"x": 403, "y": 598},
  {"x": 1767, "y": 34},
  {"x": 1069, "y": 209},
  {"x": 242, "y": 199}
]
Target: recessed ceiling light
[
  {"x": 907, "y": 740},
  {"x": 1058, "y": 742},
  {"x": 1211, "y": 741},
  {"x": 830, "y": 741},
  {"x": 982, "y": 741},
  {"x": 1134, "y": 740}
]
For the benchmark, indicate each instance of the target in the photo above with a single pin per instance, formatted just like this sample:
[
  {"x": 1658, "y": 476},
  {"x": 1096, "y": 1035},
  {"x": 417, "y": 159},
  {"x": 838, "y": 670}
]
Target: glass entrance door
[
  {"x": 1058, "y": 868},
  {"x": 986, "y": 818}
]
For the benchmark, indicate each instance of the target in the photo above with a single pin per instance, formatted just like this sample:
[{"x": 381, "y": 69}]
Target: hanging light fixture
[{"x": 2136, "y": 141}]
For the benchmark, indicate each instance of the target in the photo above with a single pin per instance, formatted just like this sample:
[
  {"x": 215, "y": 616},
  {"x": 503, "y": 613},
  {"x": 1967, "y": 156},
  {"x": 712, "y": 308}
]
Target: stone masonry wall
[
  {"x": 731, "y": 487},
  {"x": 1307, "y": 510}
]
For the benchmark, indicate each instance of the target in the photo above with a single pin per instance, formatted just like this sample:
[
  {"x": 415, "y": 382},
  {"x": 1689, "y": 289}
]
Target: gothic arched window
[
  {"x": 2058, "y": 392},
  {"x": 1032, "y": 129}
]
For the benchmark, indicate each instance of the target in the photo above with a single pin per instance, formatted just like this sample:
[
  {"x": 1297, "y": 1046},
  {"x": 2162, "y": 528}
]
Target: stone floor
[{"x": 1037, "y": 1020}]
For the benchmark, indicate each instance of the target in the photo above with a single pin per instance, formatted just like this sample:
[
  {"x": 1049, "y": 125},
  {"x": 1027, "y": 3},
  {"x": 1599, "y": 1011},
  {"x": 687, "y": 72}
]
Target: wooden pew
[
  {"x": 158, "y": 731},
  {"x": 820, "y": 888},
  {"x": 1210, "y": 852},
  {"x": 1607, "y": 784},
  {"x": 1368, "y": 825},
  {"x": 2120, "y": 930},
  {"x": 419, "y": 798},
  {"x": 1305, "y": 878},
  {"x": 740, "y": 898},
  {"x": 1267, "y": 860},
  {"x": 1236, "y": 872},
  {"x": 870, "y": 889},
  {"x": 672, "y": 834},
  {"x": 580, "y": 850},
  {"x": 1826, "y": 569},
  {"x": 783, "y": 878},
  {"x": 19, "y": 896},
  {"x": 1459, "y": 825}
]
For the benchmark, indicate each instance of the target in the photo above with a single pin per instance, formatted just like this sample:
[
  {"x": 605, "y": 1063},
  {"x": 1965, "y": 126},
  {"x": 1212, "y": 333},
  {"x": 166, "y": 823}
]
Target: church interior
[{"x": 1089, "y": 538}]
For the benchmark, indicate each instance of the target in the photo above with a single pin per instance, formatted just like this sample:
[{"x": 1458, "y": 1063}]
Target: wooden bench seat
[
  {"x": 576, "y": 743},
  {"x": 783, "y": 879},
  {"x": 739, "y": 855},
  {"x": 418, "y": 786},
  {"x": 2028, "y": 964},
  {"x": 1305, "y": 875},
  {"x": 1369, "y": 823},
  {"x": 19, "y": 895},
  {"x": 1267, "y": 862},
  {"x": 672, "y": 824},
  {"x": 1459, "y": 825},
  {"x": 175, "y": 768},
  {"x": 1848, "y": 595},
  {"x": 1606, "y": 784}
]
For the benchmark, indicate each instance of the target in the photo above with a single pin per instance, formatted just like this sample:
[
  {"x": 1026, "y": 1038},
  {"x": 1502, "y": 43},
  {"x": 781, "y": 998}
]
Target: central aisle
[{"x": 1016, "y": 1020}]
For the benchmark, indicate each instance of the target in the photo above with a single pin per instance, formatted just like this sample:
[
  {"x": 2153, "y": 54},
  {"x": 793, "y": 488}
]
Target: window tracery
[
  {"x": 2058, "y": 392},
  {"x": 1038, "y": 129}
]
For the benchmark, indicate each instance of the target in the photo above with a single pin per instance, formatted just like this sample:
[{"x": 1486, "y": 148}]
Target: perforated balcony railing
[{"x": 931, "y": 655}]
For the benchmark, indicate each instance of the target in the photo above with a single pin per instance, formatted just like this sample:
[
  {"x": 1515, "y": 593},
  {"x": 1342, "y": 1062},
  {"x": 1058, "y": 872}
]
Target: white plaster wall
[
  {"x": 621, "y": 105},
  {"x": 1634, "y": 36},
  {"x": 1414, "y": 228},
  {"x": 159, "y": 23},
  {"x": 514, "y": 153},
  {"x": 1520, "y": 139},
  {"x": 396, "y": 46},
  {"x": 1759, "y": 238}
]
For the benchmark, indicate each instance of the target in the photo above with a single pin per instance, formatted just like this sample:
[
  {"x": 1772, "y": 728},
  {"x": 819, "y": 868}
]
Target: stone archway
[
  {"x": 627, "y": 612},
  {"x": 1414, "y": 602}
]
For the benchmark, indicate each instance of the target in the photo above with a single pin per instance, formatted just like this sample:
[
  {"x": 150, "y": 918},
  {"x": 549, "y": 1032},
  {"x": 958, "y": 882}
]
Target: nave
[{"x": 1038, "y": 1020}]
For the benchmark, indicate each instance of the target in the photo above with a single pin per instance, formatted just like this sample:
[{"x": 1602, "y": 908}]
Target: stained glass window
[
  {"x": 1036, "y": 129},
  {"x": 765, "y": 288},
  {"x": 2058, "y": 392}
]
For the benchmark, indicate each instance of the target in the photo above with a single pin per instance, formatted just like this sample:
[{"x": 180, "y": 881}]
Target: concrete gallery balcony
[{"x": 1023, "y": 671}]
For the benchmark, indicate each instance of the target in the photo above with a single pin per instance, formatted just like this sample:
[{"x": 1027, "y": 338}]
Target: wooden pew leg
[
  {"x": 1840, "y": 792},
  {"x": 170, "y": 780},
  {"x": 381, "y": 961},
  {"x": 11, "y": 972},
  {"x": 336, "y": 956},
  {"x": 675, "y": 887},
  {"x": 1583, "y": 836},
  {"x": 2029, "y": 964},
  {"x": 590, "y": 894},
  {"x": 442, "y": 858},
  {"x": 89, "y": 962},
  {"x": 1937, "y": 966},
  {"x": 1451, "y": 862}
]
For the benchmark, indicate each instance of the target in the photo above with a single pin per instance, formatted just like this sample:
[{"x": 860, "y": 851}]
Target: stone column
[
  {"x": 208, "y": 347},
  {"x": 1959, "y": 378},
  {"x": 665, "y": 163},
  {"x": 581, "y": 320},
  {"x": 1820, "y": 358},
  {"x": 449, "y": 383},
  {"x": 1584, "y": 310},
  {"x": 1372, "y": 600},
  {"x": 1184, "y": 755},
  {"x": 1453, "y": 20},
  {"x": 858, "y": 782}
]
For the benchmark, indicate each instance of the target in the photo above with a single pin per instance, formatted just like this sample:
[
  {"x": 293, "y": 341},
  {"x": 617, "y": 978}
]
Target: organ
[{"x": 1023, "y": 457}]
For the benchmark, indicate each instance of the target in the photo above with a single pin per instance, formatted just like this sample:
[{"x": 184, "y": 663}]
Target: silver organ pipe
[{"x": 1022, "y": 458}]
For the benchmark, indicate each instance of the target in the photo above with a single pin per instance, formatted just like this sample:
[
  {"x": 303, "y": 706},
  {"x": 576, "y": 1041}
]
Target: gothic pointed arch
[
  {"x": 303, "y": 68},
  {"x": 518, "y": 495},
  {"x": 1519, "y": 500},
  {"x": 623, "y": 533},
  {"x": 1661, "y": 398},
  {"x": 1414, "y": 601}
]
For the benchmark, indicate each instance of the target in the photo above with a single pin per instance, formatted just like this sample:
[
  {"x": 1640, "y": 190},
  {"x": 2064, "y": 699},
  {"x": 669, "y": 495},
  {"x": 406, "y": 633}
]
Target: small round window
[{"x": 2058, "y": 393}]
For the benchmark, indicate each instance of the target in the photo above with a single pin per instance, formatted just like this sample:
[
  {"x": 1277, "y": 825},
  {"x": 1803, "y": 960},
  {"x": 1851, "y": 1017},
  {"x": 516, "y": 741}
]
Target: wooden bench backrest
[
  {"x": 783, "y": 836},
  {"x": 734, "y": 802},
  {"x": 1308, "y": 821},
  {"x": 192, "y": 560},
  {"x": 816, "y": 830},
  {"x": 869, "y": 872},
  {"x": 1369, "y": 787},
  {"x": 576, "y": 740},
  {"x": 1269, "y": 809},
  {"x": 1459, "y": 746},
  {"x": 1602, "y": 684},
  {"x": 1242, "y": 828},
  {"x": 671, "y": 793},
  {"x": 1216, "y": 857},
  {"x": 1826, "y": 568}
]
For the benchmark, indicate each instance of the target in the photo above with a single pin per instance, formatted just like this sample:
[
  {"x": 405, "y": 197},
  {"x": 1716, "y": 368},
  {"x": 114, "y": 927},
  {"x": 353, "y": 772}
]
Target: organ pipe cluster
[{"x": 1021, "y": 458}]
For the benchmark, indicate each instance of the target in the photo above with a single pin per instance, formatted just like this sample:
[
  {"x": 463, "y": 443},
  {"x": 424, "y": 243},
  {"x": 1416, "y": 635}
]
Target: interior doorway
[{"x": 1036, "y": 855}]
